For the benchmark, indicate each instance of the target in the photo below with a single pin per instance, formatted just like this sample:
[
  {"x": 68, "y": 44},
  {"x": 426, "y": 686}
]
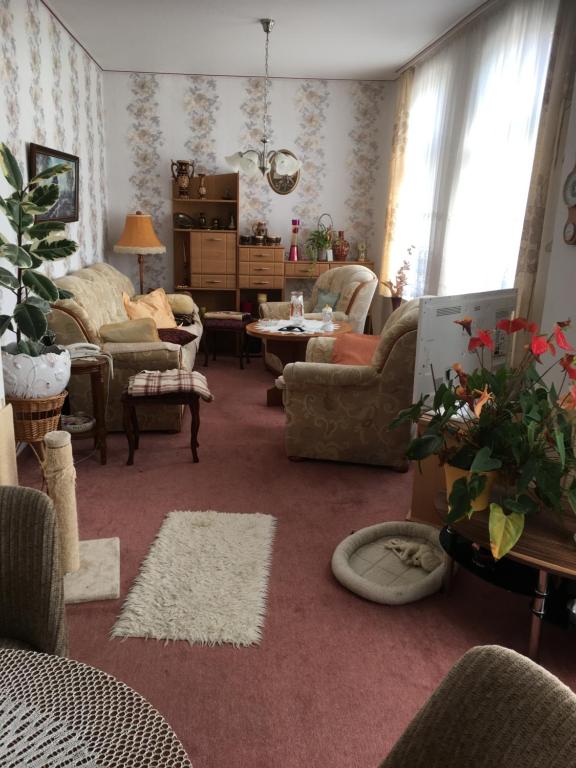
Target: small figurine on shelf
[
  {"x": 202, "y": 191},
  {"x": 231, "y": 223},
  {"x": 202, "y": 223},
  {"x": 362, "y": 249}
]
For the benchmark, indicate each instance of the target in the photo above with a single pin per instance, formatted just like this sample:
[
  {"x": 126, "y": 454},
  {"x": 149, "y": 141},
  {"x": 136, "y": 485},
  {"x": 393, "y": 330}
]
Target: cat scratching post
[
  {"x": 60, "y": 476},
  {"x": 92, "y": 567}
]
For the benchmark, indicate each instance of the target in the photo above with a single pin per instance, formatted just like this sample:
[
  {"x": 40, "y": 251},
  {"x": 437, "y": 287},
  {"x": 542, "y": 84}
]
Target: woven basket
[{"x": 35, "y": 417}]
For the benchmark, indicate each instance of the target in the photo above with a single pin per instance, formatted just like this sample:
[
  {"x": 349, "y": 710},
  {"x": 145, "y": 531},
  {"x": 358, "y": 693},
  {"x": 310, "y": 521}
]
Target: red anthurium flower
[
  {"x": 561, "y": 340},
  {"x": 538, "y": 345},
  {"x": 567, "y": 363},
  {"x": 518, "y": 324},
  {"x": 466, "y": 323},
  {"x": 482, "y": 340}
]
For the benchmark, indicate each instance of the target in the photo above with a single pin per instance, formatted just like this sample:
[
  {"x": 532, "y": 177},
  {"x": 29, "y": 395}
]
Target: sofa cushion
[
  {"x": 354, "y": 348},
  {"x": 143, "y": 329},
  {"x": 154, "y": 304},
  {"x": 325, "y": 298}
]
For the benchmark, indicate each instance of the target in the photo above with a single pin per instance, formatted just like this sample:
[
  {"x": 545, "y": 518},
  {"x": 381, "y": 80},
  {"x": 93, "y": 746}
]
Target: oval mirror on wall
[{"x": 282, "y": 184}]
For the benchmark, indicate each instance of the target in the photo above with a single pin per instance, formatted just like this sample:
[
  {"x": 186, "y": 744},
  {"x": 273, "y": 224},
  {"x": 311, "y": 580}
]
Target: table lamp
[{"x": 139, "y": 237}]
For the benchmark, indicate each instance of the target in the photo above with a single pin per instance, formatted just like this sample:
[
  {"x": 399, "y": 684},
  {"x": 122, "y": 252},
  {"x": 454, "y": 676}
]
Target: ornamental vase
[
  {"x": 482, "y": 501},
  {"x": 32, "y": 377}
]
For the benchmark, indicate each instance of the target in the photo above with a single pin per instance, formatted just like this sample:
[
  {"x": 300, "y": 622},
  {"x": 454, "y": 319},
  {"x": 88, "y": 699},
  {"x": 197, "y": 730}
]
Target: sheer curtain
[{"x": 473, "y": 121}]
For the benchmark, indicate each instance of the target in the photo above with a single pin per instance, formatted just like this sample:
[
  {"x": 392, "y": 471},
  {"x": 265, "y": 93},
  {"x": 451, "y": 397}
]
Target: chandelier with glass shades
[{"x": 253, "y": 160}]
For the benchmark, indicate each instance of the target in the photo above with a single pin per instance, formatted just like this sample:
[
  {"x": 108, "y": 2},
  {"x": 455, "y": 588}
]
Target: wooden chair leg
[
  {"x": 129, "y": 430},
  {"x": 194, "y": 406}
]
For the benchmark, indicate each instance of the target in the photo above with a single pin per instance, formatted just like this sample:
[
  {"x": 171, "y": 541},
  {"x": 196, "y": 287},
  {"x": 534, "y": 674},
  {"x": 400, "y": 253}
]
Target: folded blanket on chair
[{"x": 149, "y": 383}]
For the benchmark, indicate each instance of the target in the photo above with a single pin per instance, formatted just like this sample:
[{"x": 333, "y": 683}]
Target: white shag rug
[{"x": 205, "y": 580}]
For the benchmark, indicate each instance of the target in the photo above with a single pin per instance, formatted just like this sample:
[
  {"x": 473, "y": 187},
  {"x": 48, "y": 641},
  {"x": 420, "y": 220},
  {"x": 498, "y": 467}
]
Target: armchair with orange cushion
[
  {"x": 138, "y": 332},
  {"x": 341, "y": 411}
]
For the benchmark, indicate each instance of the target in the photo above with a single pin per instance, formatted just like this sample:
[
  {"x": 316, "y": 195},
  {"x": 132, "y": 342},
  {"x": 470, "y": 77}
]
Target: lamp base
[{"x": 141, "y": 271}]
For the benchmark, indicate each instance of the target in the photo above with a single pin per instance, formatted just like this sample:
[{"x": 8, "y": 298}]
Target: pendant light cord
[{"x": 266, "y": 84}]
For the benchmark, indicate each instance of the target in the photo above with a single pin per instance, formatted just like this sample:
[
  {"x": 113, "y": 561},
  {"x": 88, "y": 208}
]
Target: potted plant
[
  {"x": 33, "y": 366},
  {"x": 319, "y": 241},
  {"x": 396, "y": 286},
  {"x": 509, "y": 421}
]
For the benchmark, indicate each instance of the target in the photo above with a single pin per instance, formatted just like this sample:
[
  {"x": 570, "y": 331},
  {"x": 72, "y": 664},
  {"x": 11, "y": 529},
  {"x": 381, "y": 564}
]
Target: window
[{"x": 473, "y": 120}]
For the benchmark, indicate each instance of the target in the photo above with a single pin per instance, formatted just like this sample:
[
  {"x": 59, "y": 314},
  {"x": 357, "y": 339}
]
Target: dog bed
[{"x": 391, "y": 563}]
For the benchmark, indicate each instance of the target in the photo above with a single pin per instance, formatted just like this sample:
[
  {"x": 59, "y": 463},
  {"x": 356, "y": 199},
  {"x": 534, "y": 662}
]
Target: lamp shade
[{"x": 139, "y": 236}]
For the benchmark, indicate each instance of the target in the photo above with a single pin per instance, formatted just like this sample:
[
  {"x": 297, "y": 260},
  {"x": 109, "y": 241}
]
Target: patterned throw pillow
[
  {"x": 154, "y": 304},
  {"x": 325, "y": 297}
]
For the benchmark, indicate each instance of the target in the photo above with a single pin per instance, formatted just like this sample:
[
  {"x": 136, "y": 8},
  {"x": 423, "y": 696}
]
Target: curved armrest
[
  {"x": 275, "y": 310},
  {"x": 319, "y": 349},
  {"x": 305, "y": 375}
]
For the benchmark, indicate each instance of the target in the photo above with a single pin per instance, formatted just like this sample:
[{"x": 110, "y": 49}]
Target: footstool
[
  {"x": 225, "y": 322},
  {"x": 173, "y": 387}
]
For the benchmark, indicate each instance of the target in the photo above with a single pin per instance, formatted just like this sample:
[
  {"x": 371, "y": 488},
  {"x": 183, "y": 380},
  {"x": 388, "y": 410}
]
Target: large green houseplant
[
  {"x": 510, "y": 421},
  {"x": 35, "y": 244}
]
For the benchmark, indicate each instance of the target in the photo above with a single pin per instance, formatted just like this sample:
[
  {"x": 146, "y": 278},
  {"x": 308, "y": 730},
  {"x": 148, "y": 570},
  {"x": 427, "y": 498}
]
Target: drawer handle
[
  {"x": 262, "y": 269},
  {"x": 261, "y": 282},
  {"x": 212, "y": 282},
  {"x": 214, "y": 239}
]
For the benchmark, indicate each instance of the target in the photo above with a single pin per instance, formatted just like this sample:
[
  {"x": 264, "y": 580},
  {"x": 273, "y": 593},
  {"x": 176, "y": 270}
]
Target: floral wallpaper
[
  {"x": 340, "y": 130},
  {"x": 145, "y": 139},
  {"x": 201, "y": 105},
  {"x": 366, "y": 100},
  {"x": 49, "y": 95},
  {"x": 311, "y": 104}
]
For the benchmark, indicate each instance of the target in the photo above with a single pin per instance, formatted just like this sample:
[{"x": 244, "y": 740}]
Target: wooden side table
[
  {"x": 214, "y": 326},
  {"x": 545, "y": 549},
  {"x": 96, "y": 368}
]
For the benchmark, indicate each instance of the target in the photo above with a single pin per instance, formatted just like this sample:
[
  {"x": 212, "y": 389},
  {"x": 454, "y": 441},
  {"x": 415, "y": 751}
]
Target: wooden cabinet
[
  {"x": 206, "y": 258},
  {"x": 261, "y": 268}
]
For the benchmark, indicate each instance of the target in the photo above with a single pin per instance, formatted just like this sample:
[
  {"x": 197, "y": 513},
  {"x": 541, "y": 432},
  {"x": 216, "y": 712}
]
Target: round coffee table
[{"x": 289, "y": 347}]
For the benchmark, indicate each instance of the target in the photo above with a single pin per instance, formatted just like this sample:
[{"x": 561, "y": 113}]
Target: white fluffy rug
[{"x": 204, "y": 580}]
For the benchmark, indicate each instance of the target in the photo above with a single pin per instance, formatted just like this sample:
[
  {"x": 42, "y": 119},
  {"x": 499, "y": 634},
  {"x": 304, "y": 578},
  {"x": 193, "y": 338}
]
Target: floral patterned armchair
[{"x": 342, "y": 412}]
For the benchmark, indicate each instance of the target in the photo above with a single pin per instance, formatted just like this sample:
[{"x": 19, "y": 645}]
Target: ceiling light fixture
[{"x": 253, "y": 160}]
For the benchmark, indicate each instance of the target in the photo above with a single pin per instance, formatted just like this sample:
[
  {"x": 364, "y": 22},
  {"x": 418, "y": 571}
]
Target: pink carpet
[{"x": 336, "y": 678}]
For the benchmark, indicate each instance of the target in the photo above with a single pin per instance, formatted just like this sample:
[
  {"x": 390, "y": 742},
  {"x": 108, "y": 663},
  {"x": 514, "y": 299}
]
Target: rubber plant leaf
[
  {"x": 8, "y": 280},
  {"x": 59, "y": 249},
  {"x": 505, "y": 530},
  {"x": 49, "y": 173},
  {"x": 40, "y": 285},
  {"x": 44, "y": 229},
  {"x": 30, "y": 320},
  {"x": 5, "y": 323},
  {"x": 16, "y": 255},
  {"x": 10, "y": 168}
]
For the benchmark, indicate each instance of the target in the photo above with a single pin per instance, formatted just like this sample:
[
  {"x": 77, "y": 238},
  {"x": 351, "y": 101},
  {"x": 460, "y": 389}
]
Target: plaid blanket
[{"x": 163, "y": 382}]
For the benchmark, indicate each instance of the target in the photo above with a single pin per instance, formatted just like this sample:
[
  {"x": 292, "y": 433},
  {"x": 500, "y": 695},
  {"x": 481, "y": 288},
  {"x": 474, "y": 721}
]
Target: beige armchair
[
  {"x": 343, "y": 412},
  {"x": 97, "y": 302},
  {"x": 355, "y": 284},
  {"x": 494, "y": 708}
]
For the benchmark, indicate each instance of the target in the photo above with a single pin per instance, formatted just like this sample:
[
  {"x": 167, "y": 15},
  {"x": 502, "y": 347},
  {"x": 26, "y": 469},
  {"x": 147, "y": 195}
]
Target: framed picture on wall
[{"x": 41, "y": 158}]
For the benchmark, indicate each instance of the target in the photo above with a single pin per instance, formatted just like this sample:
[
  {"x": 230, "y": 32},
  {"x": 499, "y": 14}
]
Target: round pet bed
[{"x": 365, "y": 564}]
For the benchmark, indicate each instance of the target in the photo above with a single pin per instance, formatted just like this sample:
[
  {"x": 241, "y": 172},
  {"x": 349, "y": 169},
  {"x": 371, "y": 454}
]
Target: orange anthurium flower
[
  {"x": 567, "y": 363},
  {"x": 569, "y": 400},
  {"x": 485, "y": 397},
  {"x": 466, "y": 323},
  {"x": 561, "y": 339}
]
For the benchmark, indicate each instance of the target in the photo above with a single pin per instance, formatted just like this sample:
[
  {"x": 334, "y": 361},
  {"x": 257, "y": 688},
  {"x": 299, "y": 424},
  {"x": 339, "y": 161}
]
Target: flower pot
[
  {"x": 32, "y": 377},
  {"x": 455, "y": 473}
]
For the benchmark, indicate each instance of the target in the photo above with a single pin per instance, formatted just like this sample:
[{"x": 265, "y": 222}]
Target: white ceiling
[{"x": 357, "y": 39}]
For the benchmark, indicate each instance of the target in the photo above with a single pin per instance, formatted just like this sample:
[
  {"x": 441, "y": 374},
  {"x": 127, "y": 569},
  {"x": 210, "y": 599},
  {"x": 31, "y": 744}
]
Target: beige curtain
[
  {"x": 537, "y": 232},
  {"x": 396, "y": 169}
]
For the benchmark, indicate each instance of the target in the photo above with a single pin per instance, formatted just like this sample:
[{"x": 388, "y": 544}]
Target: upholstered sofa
[
  {"x": 343, "y": 412},
  {"x": 97, "y": 301}
]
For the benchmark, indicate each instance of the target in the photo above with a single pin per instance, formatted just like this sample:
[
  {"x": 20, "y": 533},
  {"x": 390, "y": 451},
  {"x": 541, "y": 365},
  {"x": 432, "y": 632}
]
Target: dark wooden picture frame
[{"x": 40, "y": 158}]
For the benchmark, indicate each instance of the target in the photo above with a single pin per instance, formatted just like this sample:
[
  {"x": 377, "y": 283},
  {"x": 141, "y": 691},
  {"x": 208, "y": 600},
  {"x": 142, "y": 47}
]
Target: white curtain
[{"x": 473, "y": 121}]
